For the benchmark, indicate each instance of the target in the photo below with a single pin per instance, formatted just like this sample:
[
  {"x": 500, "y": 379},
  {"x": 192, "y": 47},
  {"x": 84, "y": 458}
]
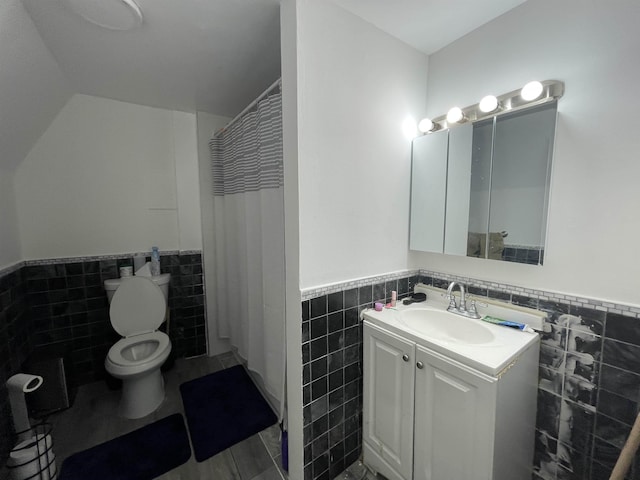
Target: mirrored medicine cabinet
[{"x": 481, "y": 188}]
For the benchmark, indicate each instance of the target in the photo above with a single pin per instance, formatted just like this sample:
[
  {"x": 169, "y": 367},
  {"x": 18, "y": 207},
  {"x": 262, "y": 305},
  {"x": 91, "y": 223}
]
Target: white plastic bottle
[{"x": 155, "y": 261}]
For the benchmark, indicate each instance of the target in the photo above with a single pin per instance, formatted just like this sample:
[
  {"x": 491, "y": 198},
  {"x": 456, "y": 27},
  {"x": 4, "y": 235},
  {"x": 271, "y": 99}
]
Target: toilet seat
[
  {"x": 138, "y": 306},
  {"x": 115, "y": 352}
]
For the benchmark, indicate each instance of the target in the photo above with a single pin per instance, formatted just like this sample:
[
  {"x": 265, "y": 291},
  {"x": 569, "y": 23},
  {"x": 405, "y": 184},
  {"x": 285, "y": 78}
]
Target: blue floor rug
[
  {"x": 142, "y": 454},
  {"x": 222, "y": 409}
]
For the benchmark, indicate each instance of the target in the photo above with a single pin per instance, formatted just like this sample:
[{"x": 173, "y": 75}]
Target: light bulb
[
  {"x": 488, "y": 104},
  {"x": 426, "y": 125},
  {"x": 531, "y": 91},
  {"x": 455, "y": 115}
]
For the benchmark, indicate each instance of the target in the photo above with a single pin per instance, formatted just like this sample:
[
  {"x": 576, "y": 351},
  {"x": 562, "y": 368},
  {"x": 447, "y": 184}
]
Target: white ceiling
[
  {"x": 217, "y": 55},
  {"x": 428, "y": 25},
  {"x": 188, "y": 55}
]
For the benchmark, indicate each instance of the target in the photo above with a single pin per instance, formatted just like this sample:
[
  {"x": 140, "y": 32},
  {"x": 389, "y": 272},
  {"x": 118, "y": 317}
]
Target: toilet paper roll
[
  {"x": 126, "y": 271},
  {"x": 33, "y": 458}
]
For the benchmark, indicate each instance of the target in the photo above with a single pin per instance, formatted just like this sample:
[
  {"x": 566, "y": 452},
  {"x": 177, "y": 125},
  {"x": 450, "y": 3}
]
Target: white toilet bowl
[{"x": 137, "y": 309}]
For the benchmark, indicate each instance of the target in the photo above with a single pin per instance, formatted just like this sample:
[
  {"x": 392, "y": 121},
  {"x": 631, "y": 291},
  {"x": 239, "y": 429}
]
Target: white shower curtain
[{"x": 249, "y": 239}]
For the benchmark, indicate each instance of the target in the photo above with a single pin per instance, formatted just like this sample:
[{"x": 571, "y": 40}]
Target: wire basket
[{"x": 33, "y": 458}]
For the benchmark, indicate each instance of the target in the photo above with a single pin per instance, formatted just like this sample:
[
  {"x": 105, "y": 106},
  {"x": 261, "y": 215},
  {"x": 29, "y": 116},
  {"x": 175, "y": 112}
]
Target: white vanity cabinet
[
  {"x": 453, "y": 419},
  {"x": 427, "y": 417},
  {"x": 388, "y": 406}
]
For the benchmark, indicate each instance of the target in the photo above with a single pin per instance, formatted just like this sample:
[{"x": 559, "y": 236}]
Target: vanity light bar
[{"x": 546, "y": 91}]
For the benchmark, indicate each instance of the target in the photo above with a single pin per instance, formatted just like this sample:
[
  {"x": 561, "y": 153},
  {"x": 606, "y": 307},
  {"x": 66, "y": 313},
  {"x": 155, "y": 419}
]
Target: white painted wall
[
  {"x": 207, "y": 124},
  {"x": 9, "y": 239},
  {"x": 593, "y": 226},
  {"x": 356, "y": 86},
  {"x": 187, "y": 180},
  {"x": 291, "y": 77},
  {"x": 102, "y": 179}
]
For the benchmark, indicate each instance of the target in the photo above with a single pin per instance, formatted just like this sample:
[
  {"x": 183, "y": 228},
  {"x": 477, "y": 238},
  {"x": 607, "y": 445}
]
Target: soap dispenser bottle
[{"x": 155, "y": 261}]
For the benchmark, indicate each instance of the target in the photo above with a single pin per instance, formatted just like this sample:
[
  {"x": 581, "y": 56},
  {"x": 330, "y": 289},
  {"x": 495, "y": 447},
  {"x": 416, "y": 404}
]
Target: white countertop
[{"x": 489, "y": 358}]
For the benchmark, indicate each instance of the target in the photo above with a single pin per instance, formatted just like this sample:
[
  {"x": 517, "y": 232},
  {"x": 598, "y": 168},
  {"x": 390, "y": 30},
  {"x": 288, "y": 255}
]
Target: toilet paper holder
[
  {"x": 32, "y": 457},
  {"x": 17, "y": 386}
]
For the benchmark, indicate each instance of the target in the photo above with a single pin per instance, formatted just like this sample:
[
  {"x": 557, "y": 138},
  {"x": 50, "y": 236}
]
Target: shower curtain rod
[{"x": 275, "y": 84}]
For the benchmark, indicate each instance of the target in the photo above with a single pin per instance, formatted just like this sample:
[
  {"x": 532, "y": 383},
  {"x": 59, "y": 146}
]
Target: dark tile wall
[
  {"x": 15, "y": 346},
  {"x": 187, "y": 304},
  {"x": 588, "y": 394},
  {"x": 68, "y": 309},
  {"x": 65, "y": 305},
  {"x": 518, "y": 254},
  {"x": 589, "y": 379},
  {"x": 68, "y": 306},
  {"x": 332, "y": 375}
]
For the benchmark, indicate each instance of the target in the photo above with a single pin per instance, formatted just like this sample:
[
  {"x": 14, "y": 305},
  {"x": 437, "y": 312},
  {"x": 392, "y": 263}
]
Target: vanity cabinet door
[
  {"x": 454, "y": 420},
  {"x": 388, "y": 402}
]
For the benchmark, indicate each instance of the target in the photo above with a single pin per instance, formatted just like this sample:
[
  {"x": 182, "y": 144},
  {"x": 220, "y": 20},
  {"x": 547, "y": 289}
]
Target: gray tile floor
[
  {"x": 357, "y": 471},
  {"x": 93, "y": 419}
]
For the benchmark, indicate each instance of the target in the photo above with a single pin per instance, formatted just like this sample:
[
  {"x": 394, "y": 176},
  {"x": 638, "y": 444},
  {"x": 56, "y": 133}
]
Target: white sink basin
[
  {"x": 445, "y": 326},
  {"x": 482, "y": 346}
]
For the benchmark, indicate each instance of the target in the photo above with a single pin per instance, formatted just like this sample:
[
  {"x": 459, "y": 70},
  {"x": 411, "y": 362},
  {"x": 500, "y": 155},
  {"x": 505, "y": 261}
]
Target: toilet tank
[{"x": 161, "y": 281}]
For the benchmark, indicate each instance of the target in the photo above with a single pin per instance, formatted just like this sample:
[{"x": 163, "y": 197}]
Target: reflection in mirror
[
  {"x": 480, "y": 188},
  {"x": 511, "y": 165}
]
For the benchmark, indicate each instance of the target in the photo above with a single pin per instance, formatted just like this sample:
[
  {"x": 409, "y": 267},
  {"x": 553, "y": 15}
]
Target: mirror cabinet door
[
  {"x": 479, "y": 198},
  {"x": 520, "y": 179},
  {"x": 428, "y": 192},
  {"x": 458, "y": 190}
]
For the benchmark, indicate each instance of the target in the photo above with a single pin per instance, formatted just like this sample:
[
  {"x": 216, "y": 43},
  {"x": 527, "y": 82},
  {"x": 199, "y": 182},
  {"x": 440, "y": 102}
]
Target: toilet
[{"x": 138, "y": 308}]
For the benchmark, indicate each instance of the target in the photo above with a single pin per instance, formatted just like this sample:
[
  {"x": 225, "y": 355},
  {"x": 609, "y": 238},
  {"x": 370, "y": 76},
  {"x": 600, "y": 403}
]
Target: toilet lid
[{"x": 138, "y": 306}]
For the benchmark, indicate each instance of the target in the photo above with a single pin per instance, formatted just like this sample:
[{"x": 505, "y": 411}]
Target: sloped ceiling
[
  {"x": 188, "y": 55},
  {"x": 32, "y": 87}
]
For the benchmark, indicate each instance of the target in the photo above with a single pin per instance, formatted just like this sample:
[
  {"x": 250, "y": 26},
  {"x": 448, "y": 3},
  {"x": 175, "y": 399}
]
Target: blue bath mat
[
  {"x": 142, "y": 454},
  {"x": 222, "y": 409}
]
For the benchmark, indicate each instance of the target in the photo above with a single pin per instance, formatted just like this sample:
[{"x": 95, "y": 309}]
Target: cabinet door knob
[
  {"x": 420, "y": 365},
  {"x": 405, "y": 357}
]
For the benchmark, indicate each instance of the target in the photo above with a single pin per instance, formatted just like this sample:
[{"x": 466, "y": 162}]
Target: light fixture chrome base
[{"x": 506, "y": 103}]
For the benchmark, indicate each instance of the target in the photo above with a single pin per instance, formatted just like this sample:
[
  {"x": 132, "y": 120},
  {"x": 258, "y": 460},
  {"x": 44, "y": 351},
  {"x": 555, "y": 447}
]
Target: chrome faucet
[{"x": 462, "y": 308}]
